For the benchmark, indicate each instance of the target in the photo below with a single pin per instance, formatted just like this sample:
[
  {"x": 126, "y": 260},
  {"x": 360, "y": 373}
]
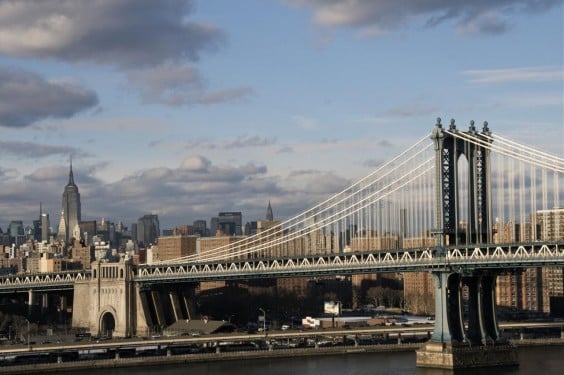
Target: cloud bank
[
  {"x": 377, "y": 17},
  {"x": 26, "y": 97}
]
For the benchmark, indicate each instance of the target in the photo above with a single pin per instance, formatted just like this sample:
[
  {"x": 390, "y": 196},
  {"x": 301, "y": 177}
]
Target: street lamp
[{"x": 263, "y": 320}]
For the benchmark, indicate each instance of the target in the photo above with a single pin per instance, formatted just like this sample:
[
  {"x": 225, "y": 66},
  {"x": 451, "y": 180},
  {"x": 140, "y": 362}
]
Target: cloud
[
  {"x": 125, "y": 33},
  {"x": 413, "y": 110},
  {"x": 195, "y": 163},
  {"x": 524, "y": 74},
  {"x": 195, "y": 189},
  {"x": 376, "y": 17},
  {"x": 304, "y": 122},
  {"x": 285, "y": 150},
  {"x": 36, "y": 150},
  {"x": 225, "y": 95},
  {"x": 373, "y": 163},
  {"x": 250, "y": 141},
  {"x": 26, "y": 98},
  {"x": 177, "y": 84},
  {"x": 152, "y": 42}
]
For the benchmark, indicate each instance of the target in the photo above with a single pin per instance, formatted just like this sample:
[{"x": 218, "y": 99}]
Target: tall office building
[
  {"x": 70, "y": 209},
  {"x": 16, "y": 232},
  {"x": 45, "y": 226},
  {"x": 148, "y": 229},
  {"x": 269, "y": 214},
  {"x": 227, "y": 223}
]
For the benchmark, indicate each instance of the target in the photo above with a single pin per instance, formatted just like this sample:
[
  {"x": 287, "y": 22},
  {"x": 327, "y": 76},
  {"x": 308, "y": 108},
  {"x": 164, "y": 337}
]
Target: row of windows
[{"x": 109, "y": 272}]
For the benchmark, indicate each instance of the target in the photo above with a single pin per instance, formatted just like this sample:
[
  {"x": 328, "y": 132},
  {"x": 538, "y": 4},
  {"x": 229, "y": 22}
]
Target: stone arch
[{"x": 107, "y": 322}]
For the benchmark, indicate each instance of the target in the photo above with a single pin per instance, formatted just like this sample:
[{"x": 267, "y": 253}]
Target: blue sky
[{"x": 188, "y": 108}]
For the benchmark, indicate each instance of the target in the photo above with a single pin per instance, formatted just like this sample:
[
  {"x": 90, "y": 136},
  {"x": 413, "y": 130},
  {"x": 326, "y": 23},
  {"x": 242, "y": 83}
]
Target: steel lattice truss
[
  {"x": 42, "y": 281},
  {"x": 413, "y": 260}
]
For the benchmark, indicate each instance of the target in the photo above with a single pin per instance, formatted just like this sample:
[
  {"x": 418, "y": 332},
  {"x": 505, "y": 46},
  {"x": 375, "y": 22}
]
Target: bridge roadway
[
  {"x": 218, "y": 339},
  {"x": 457, "y": 258}
]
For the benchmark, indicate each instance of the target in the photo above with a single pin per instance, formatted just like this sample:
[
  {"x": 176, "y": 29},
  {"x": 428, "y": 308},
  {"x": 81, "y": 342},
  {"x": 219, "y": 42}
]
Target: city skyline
[{"x": 214, "y": 107}]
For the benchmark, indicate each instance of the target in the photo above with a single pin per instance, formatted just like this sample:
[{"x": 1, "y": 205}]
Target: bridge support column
[
  {"x": 30, "y": 299},
  {"x": 158, "y": 308},
  {"x": 143, "y": 313},
  {"x": 187, "y": 297},
  {"x": 44, "y": 303},
  {"x": 176, "y": 310},
  {"x": 452, "y": 347}
]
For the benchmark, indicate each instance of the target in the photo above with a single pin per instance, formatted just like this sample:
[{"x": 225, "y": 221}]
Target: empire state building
[{"x": 70, "y": 211}]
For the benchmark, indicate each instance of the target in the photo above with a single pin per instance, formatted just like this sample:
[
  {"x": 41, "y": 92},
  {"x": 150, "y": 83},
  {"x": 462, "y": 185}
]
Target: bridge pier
[
  {"x": 454, "y": 345},
  {"x": 451, "y": 345}
]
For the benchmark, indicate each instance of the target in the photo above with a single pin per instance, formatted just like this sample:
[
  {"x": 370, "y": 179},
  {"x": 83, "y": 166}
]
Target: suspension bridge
[
  {"x": 462, "y": 205},
  {"x": 466, "y": 200}
]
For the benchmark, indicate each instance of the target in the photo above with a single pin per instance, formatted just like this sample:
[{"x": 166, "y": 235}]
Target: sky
[{"x": 187, "y": 108}]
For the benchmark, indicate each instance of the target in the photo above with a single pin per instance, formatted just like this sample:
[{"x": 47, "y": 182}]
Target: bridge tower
[
  {"x": 105, "y": 303},
  {"x": 473, "y": 340}
]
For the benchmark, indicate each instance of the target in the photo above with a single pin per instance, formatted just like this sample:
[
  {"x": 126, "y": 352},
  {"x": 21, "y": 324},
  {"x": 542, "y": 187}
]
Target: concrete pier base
[{"x": 452, "y": 356}]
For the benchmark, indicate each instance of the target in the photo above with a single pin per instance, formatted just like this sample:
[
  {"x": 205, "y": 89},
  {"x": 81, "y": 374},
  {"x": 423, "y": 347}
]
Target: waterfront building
[
  {"x": 173, "y": 247},
  {"x": 207, "y": 244},
  {"x": 531, "y": 289}
]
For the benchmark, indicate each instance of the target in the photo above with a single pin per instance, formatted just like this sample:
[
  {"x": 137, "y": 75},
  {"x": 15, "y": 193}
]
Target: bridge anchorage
[{"x": 453, "y": 343}]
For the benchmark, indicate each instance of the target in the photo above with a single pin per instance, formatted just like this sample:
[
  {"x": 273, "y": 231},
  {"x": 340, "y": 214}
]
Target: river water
[{"x": 533, "y": 360}]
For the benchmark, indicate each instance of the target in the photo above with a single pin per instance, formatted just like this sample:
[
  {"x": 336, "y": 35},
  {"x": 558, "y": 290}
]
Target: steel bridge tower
[{"x": 474, "y": 340}]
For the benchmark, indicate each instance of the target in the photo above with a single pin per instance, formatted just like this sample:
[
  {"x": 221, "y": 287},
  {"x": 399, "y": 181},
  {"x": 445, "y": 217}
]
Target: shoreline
[{"x": 232, "y": 356}]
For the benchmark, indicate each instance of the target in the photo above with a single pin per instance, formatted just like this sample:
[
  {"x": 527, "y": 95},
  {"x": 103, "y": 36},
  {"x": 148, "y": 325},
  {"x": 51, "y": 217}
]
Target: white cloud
[
  {"x": 523, "y": 74},
  {"x": 195, "y": 163},
  {"x": 306, "y": 123}
]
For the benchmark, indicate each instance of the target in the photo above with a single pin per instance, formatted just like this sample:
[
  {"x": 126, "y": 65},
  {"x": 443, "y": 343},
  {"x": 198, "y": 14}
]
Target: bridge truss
[
  {"x": 508, "y": 256},
  {"x": 42, "y": 281}
]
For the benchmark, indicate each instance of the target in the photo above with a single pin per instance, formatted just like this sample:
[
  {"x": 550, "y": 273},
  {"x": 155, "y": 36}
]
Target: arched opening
[{"x": 107, "y": 325}]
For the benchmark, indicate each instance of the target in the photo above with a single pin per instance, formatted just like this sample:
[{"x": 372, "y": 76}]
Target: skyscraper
[
  {"x": 269, "y": 214},
  {"x": 148, "y": 229},
  {"x": 228, "y": 223},
  {"x": 70, "y": 209}
]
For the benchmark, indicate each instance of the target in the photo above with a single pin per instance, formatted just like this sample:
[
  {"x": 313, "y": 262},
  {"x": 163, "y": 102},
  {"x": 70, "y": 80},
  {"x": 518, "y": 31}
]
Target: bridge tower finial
[
  {"x": 472, "y": 128},
  {"x": 486, "y": 129}
]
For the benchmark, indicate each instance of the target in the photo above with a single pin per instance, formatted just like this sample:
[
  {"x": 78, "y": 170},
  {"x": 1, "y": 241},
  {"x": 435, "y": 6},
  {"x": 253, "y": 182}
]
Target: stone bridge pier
[{"x": 470, "y": 339}]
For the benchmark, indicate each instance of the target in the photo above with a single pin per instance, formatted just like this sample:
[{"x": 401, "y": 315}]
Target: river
[{"x": 533, "y": 360}]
